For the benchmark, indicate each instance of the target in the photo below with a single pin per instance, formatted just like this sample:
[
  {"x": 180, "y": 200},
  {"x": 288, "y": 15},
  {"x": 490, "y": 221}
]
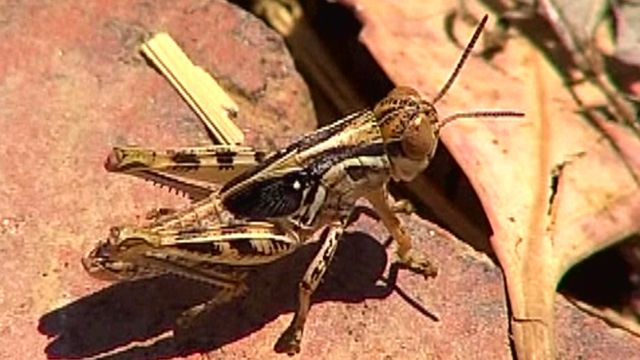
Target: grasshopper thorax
[{"x": 409, "y": 128}]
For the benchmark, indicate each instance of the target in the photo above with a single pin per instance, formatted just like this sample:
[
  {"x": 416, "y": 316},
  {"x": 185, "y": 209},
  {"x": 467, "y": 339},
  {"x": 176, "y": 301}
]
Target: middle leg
[{"x": 289, "y": 341}]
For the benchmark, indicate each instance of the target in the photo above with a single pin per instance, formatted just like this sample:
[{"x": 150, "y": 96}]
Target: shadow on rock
[{"x": 141, "y": 311}]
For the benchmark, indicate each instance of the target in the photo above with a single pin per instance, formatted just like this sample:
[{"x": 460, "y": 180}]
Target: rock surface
[{"x": 74, "y": 85}]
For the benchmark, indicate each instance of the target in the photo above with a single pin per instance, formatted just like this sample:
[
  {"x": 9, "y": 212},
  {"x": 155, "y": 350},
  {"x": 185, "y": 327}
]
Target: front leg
[
  {"x": 384, "y": 206},
  {"x": 289, "y": 341}
]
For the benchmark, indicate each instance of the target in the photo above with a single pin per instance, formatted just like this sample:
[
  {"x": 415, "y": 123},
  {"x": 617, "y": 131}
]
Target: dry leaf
[
  {"x": 627, "y": 20},
  {"x": 554, "y": 188}
]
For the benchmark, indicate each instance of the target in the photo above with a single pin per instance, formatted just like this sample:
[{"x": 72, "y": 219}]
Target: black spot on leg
[
  {"x": 209, "y": 248},
  {"x": 226, "y": 158},
  {"x": 185, "y": 158},
  {"x": 317, "y": 273},
  {"x": 243, "y": 246},
  {"x": 259, "y": 156}
]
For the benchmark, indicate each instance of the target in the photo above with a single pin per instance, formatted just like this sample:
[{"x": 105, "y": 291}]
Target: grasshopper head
[
  {"x": 118, "y": 257},
  {"x": 409, "y": 126}
]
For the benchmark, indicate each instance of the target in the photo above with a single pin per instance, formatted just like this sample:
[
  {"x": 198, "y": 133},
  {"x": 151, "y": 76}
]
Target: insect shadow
[{"x": 140, "y": 311}]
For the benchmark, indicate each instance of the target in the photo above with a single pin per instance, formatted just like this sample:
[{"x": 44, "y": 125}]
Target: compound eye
[{"x": 418, "y": 140}]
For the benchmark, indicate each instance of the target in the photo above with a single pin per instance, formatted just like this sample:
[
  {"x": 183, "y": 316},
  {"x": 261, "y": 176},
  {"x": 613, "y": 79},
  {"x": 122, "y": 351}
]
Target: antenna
[
  {"x": 477, "y": 113},
  {"x": 463, "y": 58},
  {"x": 454, "y": 74}
]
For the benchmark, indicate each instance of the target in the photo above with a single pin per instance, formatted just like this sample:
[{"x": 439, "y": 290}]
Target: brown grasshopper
[{"x": 268, "y": 206}]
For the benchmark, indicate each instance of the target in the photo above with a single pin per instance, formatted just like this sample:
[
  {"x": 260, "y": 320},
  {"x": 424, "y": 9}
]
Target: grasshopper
[{"x": 270, "y": 205}]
